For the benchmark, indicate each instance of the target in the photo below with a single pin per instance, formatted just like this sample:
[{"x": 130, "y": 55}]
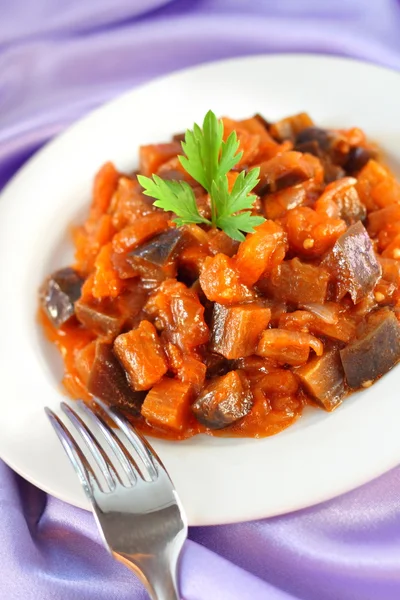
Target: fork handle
[{"x": 158, "y": 576}]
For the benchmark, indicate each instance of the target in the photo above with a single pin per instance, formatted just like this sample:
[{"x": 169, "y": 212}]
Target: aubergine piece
[
  {"x": 97, "y": 318},
  {"x": 323, "y": 379},
  {"x": 59, "y": 293},
  {"x": 357, "y": 159},
  {"x": 322, "y": 137},
  {"x": 108, "y": 381},
  {"x": 351, "y": 208},
  {"x": 375, "y": 352},
  {"x": 223, "y": 402},
  {"x": 354, "y": 263},
  {"x": 160, "y": 250}
]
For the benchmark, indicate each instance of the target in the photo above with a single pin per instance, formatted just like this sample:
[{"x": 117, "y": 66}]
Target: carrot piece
[
  {"x": 105, "y": 184},
  {"x": 179, "y": 313},
  {"x": 186, "y": 367},
  {"x": 106, "y": 282},
  {"x": 142, "y": 356},
  {"x": 151, "y": 157},
  {"x": 379, "y": 219},
  {"x": 249, "y": 143},
  {"x": 281, "y": 382},
  {"x": 288, "y": 347},
  {"x": 261, "y": 251},
  {"x": 220, "y": 281},
  {"x": 236, "y": 329},
  {"x": 377, "y": 187},
  {"x": 141, "y": 230},
  {"x": 167, "y": 404},
  {"x": 310, "y": 233}
]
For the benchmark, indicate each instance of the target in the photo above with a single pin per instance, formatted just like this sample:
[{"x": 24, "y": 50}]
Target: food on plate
[{"x": 246, "y": 269}]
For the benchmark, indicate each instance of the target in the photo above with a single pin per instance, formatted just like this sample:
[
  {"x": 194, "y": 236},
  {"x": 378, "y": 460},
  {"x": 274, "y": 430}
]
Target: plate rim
[{"x": 92, "y": 113}]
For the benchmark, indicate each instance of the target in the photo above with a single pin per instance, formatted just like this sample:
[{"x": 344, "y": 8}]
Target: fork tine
[
  {"x": 142, "y": 448},
  {"x": 128, "y": 464},
  {"x": 78, "y": 460},
  {"x": 99, "y": 455}
]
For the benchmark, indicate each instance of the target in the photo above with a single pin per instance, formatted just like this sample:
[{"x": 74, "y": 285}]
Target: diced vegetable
[
  {"x": 223, "y": 402},
  {"x": 279, "y": 382},
  {"x": 105, "y": 184},
  {"x": 219, "y": 242},
  {"x": 106, "y": 283},
  {"x": 236, "y": 329},
  {"x": 390, "y": 270},
  {"x": 354, "y": 263},
  {"x": 151, "y": 157},
  {"x": 374, "y": 352},
  {"x": 187, "y": 368},
  {"x": 59, "y": 293},
  {"x": 221, "y": 282},
  {"x": 310, "y": 233},
  {"x": 358, "y": 158},
  {"x": 277, "y": 204},
  {"x": 141, "y": 354},
  {"x": 342, "y": 330},
  {"x": 108, "y": 381},
  {"x": 261, "y": 251},
  {"x": 341, "y": 200},
  {"x": 104, "y": 321},
  {"x": 288, "y": 347},
  {"x": 323, "y": 137},
  {"x": 297, "y": 282},
  {"x": 141, "y": 230},
  {"x": 129, "y": 203},
  {"x": 377, "y": 187},
  {"x": 287, "y": 169},
  {"x": 160, "y": 249},
  {"x": 84, "y": 361},
  {"x": 179, "y": 313},
  {"x": 167, "y": 405},
  {"x": 323, "y": 379},
  {"x": 379, "y": 219},
  {"x": 290, "y": 127}
]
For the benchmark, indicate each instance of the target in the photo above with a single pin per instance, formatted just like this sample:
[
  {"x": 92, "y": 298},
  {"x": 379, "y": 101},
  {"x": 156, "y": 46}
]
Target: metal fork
[{"x": 141, "y": 519}]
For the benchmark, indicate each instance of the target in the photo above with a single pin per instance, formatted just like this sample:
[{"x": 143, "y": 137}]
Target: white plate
[{"x": 219, "y": 480}]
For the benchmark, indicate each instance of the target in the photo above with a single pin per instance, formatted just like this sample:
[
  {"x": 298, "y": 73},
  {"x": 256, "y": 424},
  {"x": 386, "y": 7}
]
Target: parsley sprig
[{"x": 208, "y": 159}]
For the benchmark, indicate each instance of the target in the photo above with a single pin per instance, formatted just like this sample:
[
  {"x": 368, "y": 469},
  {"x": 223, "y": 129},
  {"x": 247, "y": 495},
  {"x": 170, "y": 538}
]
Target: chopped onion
[{"x": 329, "y": 313}]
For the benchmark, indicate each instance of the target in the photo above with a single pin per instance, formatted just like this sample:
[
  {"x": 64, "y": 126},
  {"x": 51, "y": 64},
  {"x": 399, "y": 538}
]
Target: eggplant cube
[
  {"x": 108, "y": 381},
  {"x": 58, "y": 295},
  {"x": 354, "y": 263},
  {"x": 323, "y": 379},
  {"x": 223, "y": 402},
  {"x": 375, "y": 352},
  {"x": 160, "y": 250}
]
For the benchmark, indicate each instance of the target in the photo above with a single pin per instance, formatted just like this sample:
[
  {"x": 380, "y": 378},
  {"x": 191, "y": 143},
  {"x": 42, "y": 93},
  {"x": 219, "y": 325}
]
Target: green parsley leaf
[
  {"x": 233, "y": 225},
  {"x": 208, "y": 159},
  {"x": 174, "y": 196}
]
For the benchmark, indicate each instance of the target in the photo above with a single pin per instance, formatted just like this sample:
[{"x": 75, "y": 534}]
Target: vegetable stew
[{"x": 275, "y": 286}]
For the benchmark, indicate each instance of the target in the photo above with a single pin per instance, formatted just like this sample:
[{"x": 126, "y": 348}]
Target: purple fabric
[{"x": 58, "y": 60}]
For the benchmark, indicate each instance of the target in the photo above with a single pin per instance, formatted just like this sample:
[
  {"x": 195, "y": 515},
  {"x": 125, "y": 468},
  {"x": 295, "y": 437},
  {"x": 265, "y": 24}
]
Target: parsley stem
[{"x": 213, "y": 213}]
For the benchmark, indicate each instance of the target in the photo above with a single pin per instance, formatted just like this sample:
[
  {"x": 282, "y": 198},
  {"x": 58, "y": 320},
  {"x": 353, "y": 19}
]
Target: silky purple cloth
[{"x": 59, "y": 59}]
